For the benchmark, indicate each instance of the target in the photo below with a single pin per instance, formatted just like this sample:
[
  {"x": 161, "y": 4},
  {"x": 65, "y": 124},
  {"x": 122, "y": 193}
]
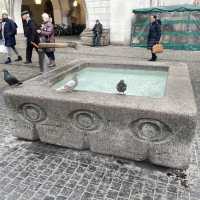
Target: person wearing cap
[
  {"x": 30, "y": 32},
  {"x": 97, "y": 32},
  {"x": 9, "y": 30}
]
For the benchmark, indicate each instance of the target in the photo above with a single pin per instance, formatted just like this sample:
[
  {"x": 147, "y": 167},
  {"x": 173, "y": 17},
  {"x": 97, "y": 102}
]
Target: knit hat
[{"x": 25, "y": 12}]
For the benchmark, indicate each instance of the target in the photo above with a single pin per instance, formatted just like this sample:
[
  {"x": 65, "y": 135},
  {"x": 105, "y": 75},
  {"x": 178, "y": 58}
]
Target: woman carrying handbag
[
  {"x": 47, "y": 36},
  {"x": 154, "y": 36}
]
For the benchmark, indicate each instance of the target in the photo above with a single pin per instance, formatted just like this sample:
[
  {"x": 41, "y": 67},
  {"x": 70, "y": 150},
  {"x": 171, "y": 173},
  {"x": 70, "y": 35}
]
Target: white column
[
  {"x": 121, "y": 18},
  {"x": 17, "y": 15},
  {"x": 98, "y": 9},
  {"x": 57, "y": 11}
]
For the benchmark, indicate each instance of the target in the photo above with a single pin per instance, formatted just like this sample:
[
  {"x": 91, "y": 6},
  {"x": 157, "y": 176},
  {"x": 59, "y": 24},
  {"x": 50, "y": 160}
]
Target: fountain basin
[{"x": 142, "y": 126}]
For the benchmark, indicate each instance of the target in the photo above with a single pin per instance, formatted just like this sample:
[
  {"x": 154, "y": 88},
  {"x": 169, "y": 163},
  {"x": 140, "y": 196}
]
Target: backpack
[{"x": 15, "y": 28}]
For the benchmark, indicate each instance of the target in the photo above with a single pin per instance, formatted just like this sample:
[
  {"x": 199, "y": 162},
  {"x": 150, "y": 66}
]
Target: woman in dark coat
[
  {"x": 9, "y": 30},
  {"x": 154, "y": 35}
]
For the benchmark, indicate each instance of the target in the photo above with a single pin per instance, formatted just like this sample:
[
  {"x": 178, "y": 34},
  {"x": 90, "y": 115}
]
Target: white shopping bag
[{"x": 3, "y": 49}]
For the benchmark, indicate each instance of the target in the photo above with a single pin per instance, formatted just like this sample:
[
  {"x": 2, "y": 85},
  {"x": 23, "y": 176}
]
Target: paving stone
[
  {"x": 115, "y": 185},
  {"x": 91, "y": 188},
  {"x": 13, "y": 196},
  {"x": 21, "y": 188},
  {"x": 61, "y": 198},
  {"x": 55, "y": 190},
  {"x": 112, "y": 194},
  {"x": 66, "y": 191},
  {"x": 9, "y": 188},
  {"x": 49, "y": 198},
  {"x": 47, "y": 185},
  {"x": 87, "y": 196},
  {"x": 28, "y": 194}
]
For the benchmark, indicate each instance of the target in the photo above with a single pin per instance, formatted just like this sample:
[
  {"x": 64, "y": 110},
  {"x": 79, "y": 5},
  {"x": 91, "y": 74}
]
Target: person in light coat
[{"x": 47, "y": 36}]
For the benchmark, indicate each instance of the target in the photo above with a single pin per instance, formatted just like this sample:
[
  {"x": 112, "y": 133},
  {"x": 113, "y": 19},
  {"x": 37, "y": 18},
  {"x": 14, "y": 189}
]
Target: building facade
[{"x": 115, "y": 15}]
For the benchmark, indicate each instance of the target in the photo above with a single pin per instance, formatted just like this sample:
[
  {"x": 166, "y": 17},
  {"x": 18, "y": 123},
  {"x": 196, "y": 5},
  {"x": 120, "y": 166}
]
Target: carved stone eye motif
[
  {"x": 32, "y": 112},
  {"x": 86, "y": 120},
  {"x": 149, "y": 130}
]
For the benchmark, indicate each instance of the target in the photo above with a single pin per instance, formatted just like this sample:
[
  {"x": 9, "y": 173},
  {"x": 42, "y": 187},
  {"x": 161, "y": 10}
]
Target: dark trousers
[
  {"x": 29, "y": 51},
  {"x": 10, "y": 48},
  {"x": 50, "y": 55},
  {"x": 96, "y": 39}
]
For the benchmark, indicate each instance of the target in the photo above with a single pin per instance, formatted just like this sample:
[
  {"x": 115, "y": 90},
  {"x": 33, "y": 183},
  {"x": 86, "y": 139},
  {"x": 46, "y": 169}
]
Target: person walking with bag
[
  {"x": 9, "y": 30},
  {"x": 154, "y": 36},
  {"x": 30, "y": 32},
  {"x": 47, "y": 36}
]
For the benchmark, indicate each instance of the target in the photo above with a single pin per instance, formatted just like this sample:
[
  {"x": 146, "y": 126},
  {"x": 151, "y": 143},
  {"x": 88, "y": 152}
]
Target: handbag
[
  {"x": 3, "y": 49},
  {"x": 158, "y": 48}
]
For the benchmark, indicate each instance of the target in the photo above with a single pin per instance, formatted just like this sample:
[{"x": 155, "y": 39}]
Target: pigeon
[
  {"x": 121, "y": 87},
  {"x": 10, "y": 79},
  {"x": 70, "y": 85}
]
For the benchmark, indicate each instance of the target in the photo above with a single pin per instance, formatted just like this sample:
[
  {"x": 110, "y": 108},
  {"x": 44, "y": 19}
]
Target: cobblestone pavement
[{"x": 36, "y": 171}]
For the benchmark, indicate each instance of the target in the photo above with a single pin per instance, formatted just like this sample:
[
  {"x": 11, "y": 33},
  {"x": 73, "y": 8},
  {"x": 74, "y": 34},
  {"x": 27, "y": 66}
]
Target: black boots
[
  {"x": 154, "y": 57},
  {"x": 18, "y": 59},
  {"x": 8, "y": 61}
]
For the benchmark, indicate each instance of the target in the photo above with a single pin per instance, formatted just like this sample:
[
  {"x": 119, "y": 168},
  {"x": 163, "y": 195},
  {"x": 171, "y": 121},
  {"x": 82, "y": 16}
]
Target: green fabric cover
[
  {"x": 178, "y": 8},
  {"x": 180, "y": 27}
]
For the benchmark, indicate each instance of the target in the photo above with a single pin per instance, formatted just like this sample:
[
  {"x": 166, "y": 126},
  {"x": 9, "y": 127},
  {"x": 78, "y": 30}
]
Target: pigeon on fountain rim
[
  {"x": 10, "y": 79},
  {"x": 70, "y": 85}
]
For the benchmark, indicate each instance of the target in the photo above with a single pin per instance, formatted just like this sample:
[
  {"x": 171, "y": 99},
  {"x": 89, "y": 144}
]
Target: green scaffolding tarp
[{"x": 180, "y": 26}]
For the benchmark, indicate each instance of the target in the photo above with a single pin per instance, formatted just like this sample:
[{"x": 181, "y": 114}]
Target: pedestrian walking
[
  {"x": 30, "y": 32},
  {"x": 47, "y": 36},
  {"x": 1, "y": 35},
  {"x": 154, "y": 35},
  {"x": 3, "y": 48},
  {"x": 9, "y": 30},
  {"x": 97, "y": 32}
]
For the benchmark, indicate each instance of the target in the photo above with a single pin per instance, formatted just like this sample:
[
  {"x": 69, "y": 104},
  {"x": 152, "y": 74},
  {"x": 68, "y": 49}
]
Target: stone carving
[
  {"x": 32, "y": 112},
  {"x": 148, "y": 130},
  {"x": 86, "y": 120}
]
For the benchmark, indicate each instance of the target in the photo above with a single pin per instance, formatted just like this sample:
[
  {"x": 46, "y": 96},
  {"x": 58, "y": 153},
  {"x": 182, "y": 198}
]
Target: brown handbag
[{"x": 158, "y": 48}]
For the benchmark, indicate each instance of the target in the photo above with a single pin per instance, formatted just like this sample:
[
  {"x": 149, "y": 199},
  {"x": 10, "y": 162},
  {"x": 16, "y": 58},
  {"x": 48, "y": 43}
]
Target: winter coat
[
  {"x": 1, "y": 35},
  {"x": 47, "y": 35},
  {"x": 98, "y": 29},
  {"x": 154, "y": 34},
  {"x": 30, "y": 32},
  {"x": 9, "y": 32}
]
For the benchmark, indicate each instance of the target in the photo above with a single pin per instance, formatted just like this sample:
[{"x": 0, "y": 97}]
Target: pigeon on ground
[
  {"x": 70, "y": 85},
  {"x": 121, "y": 87},
  {"x": 10, "y": 79}
]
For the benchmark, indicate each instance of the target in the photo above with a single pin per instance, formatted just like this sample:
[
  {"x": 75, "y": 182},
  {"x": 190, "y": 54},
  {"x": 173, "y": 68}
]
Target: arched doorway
[
  {"x": 36, "y": 10},
  {"x": 77, "y": 16},
  {"x": 70, "y": 15}
]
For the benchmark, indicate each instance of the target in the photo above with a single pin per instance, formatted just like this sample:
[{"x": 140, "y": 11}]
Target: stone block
[
  {"x": 160, "y": 130},
  {"x": 87, "y": 37}
]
